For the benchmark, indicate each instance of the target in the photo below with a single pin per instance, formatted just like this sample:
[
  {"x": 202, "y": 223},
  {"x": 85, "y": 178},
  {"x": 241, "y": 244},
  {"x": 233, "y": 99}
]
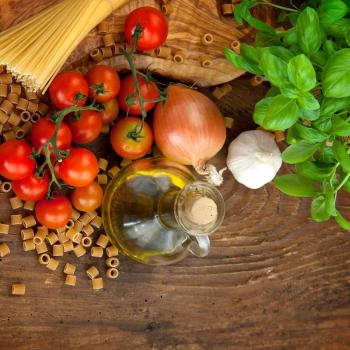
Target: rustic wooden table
[{"x": 273, "y": 280}]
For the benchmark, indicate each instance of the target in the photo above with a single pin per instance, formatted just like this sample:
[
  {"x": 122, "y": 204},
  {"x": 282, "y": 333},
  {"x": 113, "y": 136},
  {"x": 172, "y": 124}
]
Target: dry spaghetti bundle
[{"x": 35, "y": 50}]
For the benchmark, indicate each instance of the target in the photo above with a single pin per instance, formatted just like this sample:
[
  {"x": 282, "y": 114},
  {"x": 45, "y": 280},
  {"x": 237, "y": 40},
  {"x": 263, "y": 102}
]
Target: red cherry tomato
[
  {"x": 124, "y": 142},
  {"x": 44, "y": 129},
  {"x": 53, "y": 213},
  {"x": 87, "y": 128},
  {"x": 110, "y": 111},
  {"x": 32, "y": 188},
  {"x": 65, "y": 88},
  {"x": 15, "y": 160},
  {"x": 87, "y": 198},
  {"x": 105, "y": 77},
  {"x": 80, "y": 168},
  {"x": 153, "y": 24},
  {"x": 149, "y": 91}
]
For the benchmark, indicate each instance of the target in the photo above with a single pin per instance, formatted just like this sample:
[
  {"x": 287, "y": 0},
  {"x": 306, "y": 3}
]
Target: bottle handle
[{"x": 199, "y": 246}]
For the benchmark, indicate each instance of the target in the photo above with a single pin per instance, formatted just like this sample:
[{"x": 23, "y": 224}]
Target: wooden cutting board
[{"x": 188, "y": 23}]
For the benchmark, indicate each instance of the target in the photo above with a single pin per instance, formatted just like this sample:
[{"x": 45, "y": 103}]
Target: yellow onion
[{"x": 189, "y": 128}]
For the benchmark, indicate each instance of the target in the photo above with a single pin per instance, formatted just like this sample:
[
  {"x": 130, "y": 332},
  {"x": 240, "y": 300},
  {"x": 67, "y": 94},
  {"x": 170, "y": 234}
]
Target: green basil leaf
[
  {"x": 329, "y": 199},
  {"x": 261, "y": 109},
  {"x": 280, "y": 52},
  {"x": 293, "y": 17},
  {"x": 336, "y": 75},
  {"x": 341, "y": 155},
  {"x": 281, "y": 114},
  {"x": 301, "y": 73},
  {"x": 242, "y": 63},
  {"x": 346, "y": 185},
  {"x": 347, "y": 36},
  {"x": 273, "y": 91},
  {"x": 299, "y": 152},
  {"x": 295, "y": 50},
  {"x": 308, "y": 101},
  {"x": 334, "y": 105},
  {"x": 329, "y": 47},
  {"x": 324, "y": 123},
  {"x": 308, "y": 114},
  {"x": 289, "y": 91},
  {"x": 314, "y": 170},
  {"x": 250, "y": 53},
  {"x": 319, "y": 211},
  {"x": 296, "y": 185},
  {"x": 310, "y": 134},
  {"x": 242, "y": 10},
  {"x": 342, "y": 222},
  {"x": 290, "y": 37},
  {"x": 340, "y": 127},
  {"x": 274, "y": 68},
  {"x": 263, "y": 39},
  {"x": 320, "y": 58},
  {"x": 331, "y": 10},
  {"x": 309, "y": 31},
  {"x": 325, "y": 155},
  {"x": 339, "y": 28},
  {"x": 282, "y": 17},
  {"x": 292, "y": 135}
]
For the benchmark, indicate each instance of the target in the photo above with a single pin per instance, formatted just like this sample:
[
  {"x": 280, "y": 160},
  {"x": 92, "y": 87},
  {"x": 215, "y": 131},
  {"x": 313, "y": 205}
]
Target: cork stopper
[{"x": 201, "y": 210}]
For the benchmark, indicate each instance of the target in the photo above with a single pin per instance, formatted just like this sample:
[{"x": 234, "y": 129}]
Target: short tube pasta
[
  {"x": 4, "y": 228},
  {"x": 16, "y": 203},
  {"x": 16, "y": 219},
  {"x": 97, "y": 252},
  {"x": 27, "y": 233},
  {"x": 112, "y": 273},
  {"x": 4, "y": 250},
  {"x": 102, "y": 241},
  {"x": 97, "y": 283},
  {"x": 18, "y": 289},
  {"x": 92, "y": 272},
  {"x": 68, "y": 246},
  {"x": 57, "y": 250},
  {"x": 28, "y": 245},
  {"x": 41, "y": 248},
  {"x": 71, "y": 280},
  {"x": 112, "y": 251},
  {"x": 53, "y": 264},
  {"x": 28, "y": 221},
  {"x": 69, "y": 269},
  {"x": 79, "y": 250},
  {"x": 44, "y": 259},
  {"x": 112, "y": 262}
]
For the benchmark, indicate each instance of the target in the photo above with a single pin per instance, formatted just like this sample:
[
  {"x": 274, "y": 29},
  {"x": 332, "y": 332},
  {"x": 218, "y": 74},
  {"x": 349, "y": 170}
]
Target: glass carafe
[{"x": 156, "y": 212}]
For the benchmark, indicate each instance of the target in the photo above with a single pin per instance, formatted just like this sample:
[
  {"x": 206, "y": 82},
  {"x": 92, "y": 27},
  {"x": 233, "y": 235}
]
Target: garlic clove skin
[{"x": 254, "y": 158}]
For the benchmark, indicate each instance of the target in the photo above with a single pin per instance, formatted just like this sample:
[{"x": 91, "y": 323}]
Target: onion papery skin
[{"x": 189, "y": 128}]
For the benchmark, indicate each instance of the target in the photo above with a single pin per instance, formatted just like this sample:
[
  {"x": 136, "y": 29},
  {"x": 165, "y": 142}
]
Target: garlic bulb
[{"x": 254, "y": 158}]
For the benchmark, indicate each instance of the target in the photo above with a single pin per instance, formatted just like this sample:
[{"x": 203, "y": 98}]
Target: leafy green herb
[{"x": 296, "y": 185}]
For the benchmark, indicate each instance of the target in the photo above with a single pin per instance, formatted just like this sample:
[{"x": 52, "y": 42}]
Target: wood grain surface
[{"x": 273, "y": 280}]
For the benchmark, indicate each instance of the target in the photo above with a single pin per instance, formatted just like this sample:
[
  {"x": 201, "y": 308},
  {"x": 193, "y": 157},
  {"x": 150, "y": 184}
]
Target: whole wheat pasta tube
[
  {"x": 92, "y": 272},
  {"x": 71, "y": 280},
  {"x": 69, "y": 269},
  {"x": 6, "y": 187},
  {"x": 88, "y": 230},
  {"x": 41, "y": 248},
  {"x": 167, "y": 9},
  {"x": 78, "y": 226},
  {"x": 97, "y": 283},
  {"x": 113, "y": 171},
  {"x": 44, "y": 259},
  {"x": 103, "y": 28},
  {"x": 72, "y": 234},
  {"x": 227, "y": 9},
  {"x": 32, "y": 107},
  {"x": 6, "y": 78},
  {"x": 53, "y": 264},
  {"x": 85, "y": 219},
  {"x": 112, "y": 273},
  {"x": 7, "y": 107},
  {"x": 79, "y": 250},
  {"x": 96, "y": 252},
  {"x": 112, "y": 251},
  {"x": 27, "y": 233},
  {"x": 103, "y": 164},
  {"x": 16, "y": 203},
  {"x": 39, "y": 237},
  {"x": 77, "y": 238},
  {"x": 57, "y": 250},
  {"x": 112, "y": 262},
  {"x": 86, "y": 242},
  {"x": 102, "y": 241},
  {"x": 18, "y": 289},
  {"x": 19, "y": 132},
  {"x": 68, "y": 246},
  {"x": 16, "y": 89},
  {"x": 256, "y": 80},
  {"x": 22, "y": 104},
  {"x": 75, "y": 214},
  {"x": 35, "y": 118},
  {"x": 236, "y": 46},
  {"x": 4, "y": 250},
  {"x": 108, "y": 39},
  {"x": 28, "y": 245},
  {"x": 10, "y": 135},
  {"x": 3, "y": 90},
  {"x": 13, "y": 98},
  {"x": 27, "y": 126},
  {"x": 30, "y": 95},
  {"x": 5, "y": 229},
  {"x": 3, "y": 117},
  {"x": 92, "y": 214},
  {"x": 43, "y": 108},
  {"x": 14, "y": 119},
  {"x": 28, "y": 205},
  {"x": 52, "y": 238},
  {"x": 70, "y": 224},
  {"x": 97, "y": 222},
  {"x": 162, "y": 51},
  {"x": 16, "y": 219},
  {"x": 96, "y": 55},
  {"x": 102, "y": 179}
]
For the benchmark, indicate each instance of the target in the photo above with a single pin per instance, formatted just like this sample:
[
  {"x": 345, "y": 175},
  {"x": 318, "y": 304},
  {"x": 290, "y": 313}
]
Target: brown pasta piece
[
  {"x": 28, "y": 205},
  {"x": 60, "y": 229},
  {"x": 3, "y": 90},
  {"x": 32, "y": 107},
  {"x": 19, "y": 132},
  {"x": 205, "y": 61},
  {"x": 52, "y": 238},
  {"x": 41, "y": 248},
  {"x": 112, "y": 251},
  {"x": 113, "y": 171},
  {"x": 108, "y": 39},
  {"x": 96, "y": 55},
  {"x": 227, "y": 9},
  {"x": 18, "y": 289},
  {"x": 86, "y": 242},
  {"x": 27, "y": 126},
  {"x": 103, "y": 28},
  {"x": 92, "y": 214},
  {"x": 179, "y": 56},
  {"x": 163, "y": 51},
  {"x": 28, "y": 245},
  {"x": 44, "y": 259},
  {"x": 4, "y": 250},
  {"x": 16, "y": 219},
  {"x": 31, "y": 96},
  {"x": 79, "y": 250},
  {"x": 28, "y": 221},
  {"x": 68, "y": 246},
  {"x": 97, "y": 283},
  {"x": 103, "y": 164},
  {"x": 7, "y": 107},
  {"x": 53, "y": 264},
  {"x": 96, "y": 252},
  {"x": 207, "y": 39},
  {"x": 57, "y": 250},
  {"x": 97, "y": 222},
  {"x": 112, "y": 273},
  {"x": 10, "y": 135},
  {"x": 77, "y": 238},
  {"x": 112, "y": 262},
  {"x": 102, "y": 241},
  {"x": 125, "y": 162},
  {"x": 167, "y": 9},
  {"x": 71, "y": 280},
  {"x": 35, "y": 118},
  {"x": 256, "y": 80},
  {"x": 6, "y": 79},
  {"x": 69, "y": 269},
  {"x": 92, "y": 272},
  {"x": 72, "y": 234},
  {"x": 279, "y": 136},
  {"x": 88, "y": 230},
  {"x": 27, "y": 233},
  {"x": 15, "y": 89},
  {"x": 78, "y": 226},
  {"x": 13, "y": 98},
  {"x": 85, "y": 219},
  {"x": 14, "y": 119},
  {"x": 236, "y": 46},
  {"x": 3, "y": 117},
  {"x": 75, "y": 214},
  {"x": 5, "y": 229},
  {"x": 229, "y": 122},
  {"x": 70, "y": 224},
  {"x": 22, "y": 104},
  {"x": 16, "y": 203},
  {"x": 43, "y": 108},
  {"x": 102, "y": 179}
]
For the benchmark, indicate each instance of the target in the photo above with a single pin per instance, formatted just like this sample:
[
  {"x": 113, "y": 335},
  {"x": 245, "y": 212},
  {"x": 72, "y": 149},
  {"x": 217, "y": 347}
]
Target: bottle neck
[{"x": 198, "y": 209}]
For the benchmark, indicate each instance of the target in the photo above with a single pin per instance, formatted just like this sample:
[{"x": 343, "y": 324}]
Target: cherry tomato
[
  {"x": 15, "y": 160},
  {"x": 87, "y": 198},
  {"x": 108, "y": 78},
  {"x": 65, "y": 88},
  {"x": 44, "y": 129},
  {"x": 124, "y": 142},
  {"x": 32, "y": 188},
  {"x": 153, "y": 24},
  {"x": 80, "y": 168},
  {"x": 53, "y": 213},
  {"x": 110, "y": 112},
  {"x": 87, "y": 128},
  {"x": 148, "y": 91}
]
